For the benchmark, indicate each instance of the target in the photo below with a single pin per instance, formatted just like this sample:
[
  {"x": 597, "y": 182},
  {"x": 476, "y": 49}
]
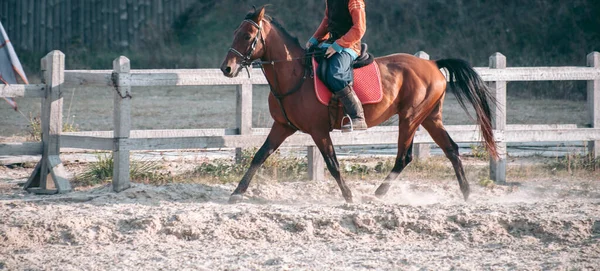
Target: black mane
[{"x": 275, "y": 22}]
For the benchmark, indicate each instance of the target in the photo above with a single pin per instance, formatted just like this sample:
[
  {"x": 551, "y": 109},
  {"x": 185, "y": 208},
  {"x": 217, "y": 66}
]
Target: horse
[{"x": 413, "y": 89}]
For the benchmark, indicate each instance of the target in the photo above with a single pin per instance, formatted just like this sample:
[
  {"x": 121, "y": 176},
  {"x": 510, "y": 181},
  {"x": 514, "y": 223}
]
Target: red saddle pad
[{"x": 367, "y": 85}]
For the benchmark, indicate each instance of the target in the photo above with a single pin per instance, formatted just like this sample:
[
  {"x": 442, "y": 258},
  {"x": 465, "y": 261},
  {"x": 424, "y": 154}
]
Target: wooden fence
[
  {"x": 49, "y": 177},
  {"x": 42, "y": 25}
]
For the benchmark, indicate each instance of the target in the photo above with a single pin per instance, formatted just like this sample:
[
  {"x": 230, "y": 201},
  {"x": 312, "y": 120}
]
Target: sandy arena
[{"x": 549, "y": 224}]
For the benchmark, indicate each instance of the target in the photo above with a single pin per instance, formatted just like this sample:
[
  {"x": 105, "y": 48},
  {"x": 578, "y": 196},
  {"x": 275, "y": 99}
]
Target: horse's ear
[{"x": 259, "y": 15}]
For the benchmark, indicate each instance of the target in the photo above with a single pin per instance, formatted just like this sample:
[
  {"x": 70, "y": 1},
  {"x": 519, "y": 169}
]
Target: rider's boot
[{"x": 352, "y": 107}]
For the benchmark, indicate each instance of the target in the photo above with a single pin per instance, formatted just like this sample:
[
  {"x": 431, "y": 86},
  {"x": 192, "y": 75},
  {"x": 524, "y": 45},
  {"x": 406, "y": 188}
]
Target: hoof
[
  {"x": 382, "y": 190},
  {"x": 235, "y": 198},
  {"x": 367, "y": 198},
  {"x": 466, "y": 191},
  {"x": 466, "y": 195}
]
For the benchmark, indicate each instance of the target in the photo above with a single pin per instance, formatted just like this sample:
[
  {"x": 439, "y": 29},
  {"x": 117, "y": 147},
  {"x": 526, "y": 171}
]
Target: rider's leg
[{"x": 339, "y": 79}]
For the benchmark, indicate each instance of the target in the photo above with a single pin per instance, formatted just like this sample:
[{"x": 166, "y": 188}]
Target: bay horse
[{"x": 413, "y": 89}]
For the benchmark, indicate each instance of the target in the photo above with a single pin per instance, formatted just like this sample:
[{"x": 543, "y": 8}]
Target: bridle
[
  {"x": 247, "y": 59},
  {"x": 247, "y": 62}
]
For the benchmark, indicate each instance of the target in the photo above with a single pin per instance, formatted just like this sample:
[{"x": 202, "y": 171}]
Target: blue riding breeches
[{"x": 339, "y": 71}]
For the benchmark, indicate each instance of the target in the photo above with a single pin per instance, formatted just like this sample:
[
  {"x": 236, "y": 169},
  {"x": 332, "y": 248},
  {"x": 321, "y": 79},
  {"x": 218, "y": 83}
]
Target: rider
[{"x": 340, "y": 31}]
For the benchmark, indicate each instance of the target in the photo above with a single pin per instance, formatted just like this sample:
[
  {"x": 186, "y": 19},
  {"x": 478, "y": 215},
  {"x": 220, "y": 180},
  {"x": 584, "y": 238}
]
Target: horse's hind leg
[
  {"x": 325, "y": 145},
  {"x": 433, "y": 125},
  {"x": 403, "y": 158},
  {"x": 278, "y": 134}
]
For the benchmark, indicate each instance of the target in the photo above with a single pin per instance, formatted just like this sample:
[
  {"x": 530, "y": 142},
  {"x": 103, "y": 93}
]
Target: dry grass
[
  {"x": 279, "y": 168},
  {"x": 101, "y": 172}
]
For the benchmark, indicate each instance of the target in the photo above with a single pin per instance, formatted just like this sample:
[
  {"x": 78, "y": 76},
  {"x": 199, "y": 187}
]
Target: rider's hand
[
  {"x": 308, "y": 44},
  {"x": 330, "y": 51}
]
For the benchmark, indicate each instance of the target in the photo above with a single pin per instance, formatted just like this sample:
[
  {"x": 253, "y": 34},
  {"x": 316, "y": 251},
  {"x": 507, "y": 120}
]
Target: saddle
[
  {"x": 367, "y": 81},
  {"x": 364, "y": 59}
]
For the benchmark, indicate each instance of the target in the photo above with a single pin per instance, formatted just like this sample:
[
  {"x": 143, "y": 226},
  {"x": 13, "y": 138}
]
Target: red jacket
[{"x": 352, "y": 38}]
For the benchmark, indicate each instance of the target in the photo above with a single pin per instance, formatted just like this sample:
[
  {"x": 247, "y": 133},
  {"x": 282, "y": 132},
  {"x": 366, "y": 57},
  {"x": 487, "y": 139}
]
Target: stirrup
[{"x": 348, "y": 127}]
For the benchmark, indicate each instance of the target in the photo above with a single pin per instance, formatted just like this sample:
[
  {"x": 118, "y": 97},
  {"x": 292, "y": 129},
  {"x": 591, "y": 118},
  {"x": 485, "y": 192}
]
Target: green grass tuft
[
  {"x": 485, "y": 182},
  {"x": 101, "y": 171},
  {"x": 479, "y": 152}
]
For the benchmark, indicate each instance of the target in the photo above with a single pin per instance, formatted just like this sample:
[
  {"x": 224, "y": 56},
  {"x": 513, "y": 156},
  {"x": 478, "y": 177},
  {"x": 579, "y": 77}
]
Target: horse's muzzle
[
  {"x": 230, "y": 70},
  {"x": 227, "y": 71}
]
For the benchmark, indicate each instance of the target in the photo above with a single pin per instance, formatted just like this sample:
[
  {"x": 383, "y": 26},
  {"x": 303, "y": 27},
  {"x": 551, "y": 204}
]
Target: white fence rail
[{"x": 49, "y": 177}]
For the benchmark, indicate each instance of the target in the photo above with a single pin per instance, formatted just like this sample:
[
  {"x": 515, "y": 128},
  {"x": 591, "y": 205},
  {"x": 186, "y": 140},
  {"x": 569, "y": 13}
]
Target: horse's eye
[{"x": 247, "y": 36}]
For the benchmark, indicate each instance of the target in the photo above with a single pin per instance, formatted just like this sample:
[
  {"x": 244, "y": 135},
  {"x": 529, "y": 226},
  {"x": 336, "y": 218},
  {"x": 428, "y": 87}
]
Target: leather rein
[{"x": 247, "y": 62}]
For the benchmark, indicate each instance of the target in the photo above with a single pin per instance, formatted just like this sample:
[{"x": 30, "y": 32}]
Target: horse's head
[{"x": 248, "y": 44}]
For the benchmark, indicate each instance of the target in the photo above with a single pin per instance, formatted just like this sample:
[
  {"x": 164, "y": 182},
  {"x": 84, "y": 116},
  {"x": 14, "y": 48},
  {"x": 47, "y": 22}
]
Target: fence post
[
  {"x": 243, "y": 119},
  {"x": 316, "y": 164},
  {"x": 421, "y": 151},
  {"x": 593, "y": 101},
  {"x": 498, "y": 88},
  {"x": 121, "y": 122},
  {"x": 49, "y": 175}
]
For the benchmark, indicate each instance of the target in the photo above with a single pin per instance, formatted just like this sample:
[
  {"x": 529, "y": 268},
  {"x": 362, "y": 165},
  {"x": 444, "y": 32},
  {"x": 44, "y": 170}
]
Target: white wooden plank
[
  {"x": 539, "y": 73},
  {"x": 27, "y": 91},
  {"x": 540, "y": 126},
  {"x": 160, "y": 133},
  {"x": 215, "y": 77},
  {"x": 185, "y": 77},
  {"x": 297, "y": 140},
  {"x": 88, "y": 78},
  {"x": 357, "y": 138},
  {"x": 210, "y": 73},
  {"x": 383, "y": 136},
  {"x": 450, "y": 128},
  {"x": 265, "y": 131},
  {"x": 581, "y": 134},
  {"x": 507, "y": 74},
  {"x": 25, "y": 148},
  {"x": 86, "y": 142}
]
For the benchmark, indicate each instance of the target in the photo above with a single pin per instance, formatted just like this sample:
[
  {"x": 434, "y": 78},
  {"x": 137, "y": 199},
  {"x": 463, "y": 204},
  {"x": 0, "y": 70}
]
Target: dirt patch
[{"x": 421, "y": 224}]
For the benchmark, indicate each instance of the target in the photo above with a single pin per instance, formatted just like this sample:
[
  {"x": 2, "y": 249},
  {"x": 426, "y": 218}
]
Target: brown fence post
[
  {"x": 49, "y": 175},
  {"x": 593, "y": 101},
  {"x": 421, "y": 151},
  {"x": 498, "y": 88},
  {"x": 121, "y": 121}
]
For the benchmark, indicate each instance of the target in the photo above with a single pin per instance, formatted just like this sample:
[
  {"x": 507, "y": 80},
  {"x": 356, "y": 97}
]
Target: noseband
[{"x": 246, "y": 59}]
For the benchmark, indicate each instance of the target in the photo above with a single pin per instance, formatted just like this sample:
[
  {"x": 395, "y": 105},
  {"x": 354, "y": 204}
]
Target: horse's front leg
[
  {"x": 279, "y": 132},
  {"x": 325, "y": 145}
]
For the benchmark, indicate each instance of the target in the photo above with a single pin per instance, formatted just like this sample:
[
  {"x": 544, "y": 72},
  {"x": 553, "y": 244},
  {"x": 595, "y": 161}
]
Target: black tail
[{"x": 468, "y": 85}]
